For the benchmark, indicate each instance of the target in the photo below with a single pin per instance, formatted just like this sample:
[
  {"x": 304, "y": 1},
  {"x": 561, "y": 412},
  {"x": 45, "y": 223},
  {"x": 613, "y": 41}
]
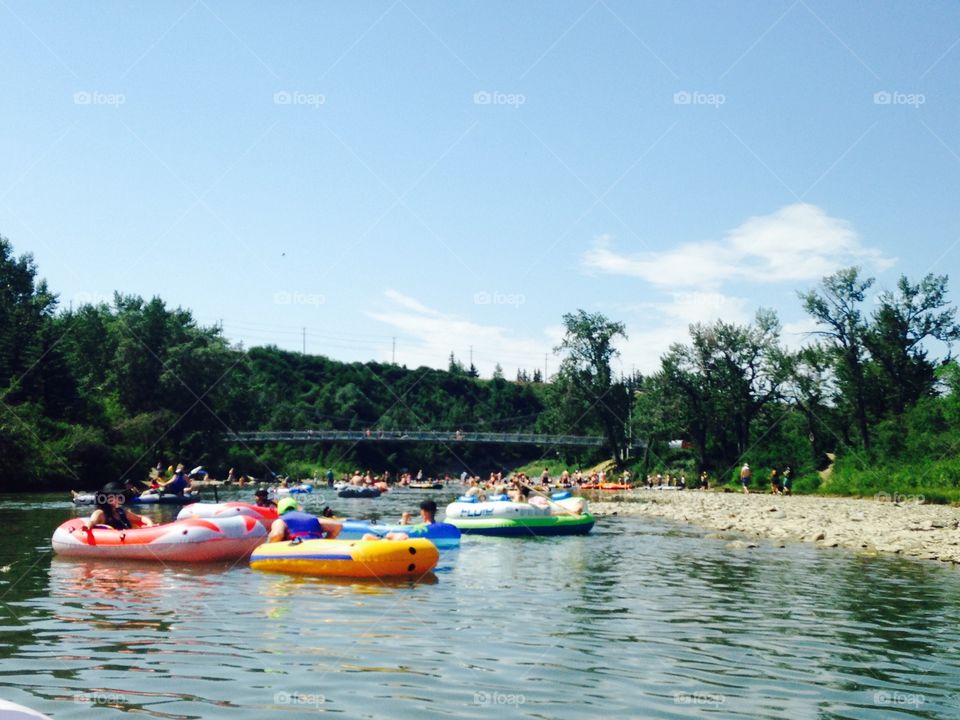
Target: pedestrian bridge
[{"x": 417, "y": 436}]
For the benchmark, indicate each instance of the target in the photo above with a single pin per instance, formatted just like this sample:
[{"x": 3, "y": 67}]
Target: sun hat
[
  {"x": 112, "y": 489},
  {"x": 288, "y": 503}
]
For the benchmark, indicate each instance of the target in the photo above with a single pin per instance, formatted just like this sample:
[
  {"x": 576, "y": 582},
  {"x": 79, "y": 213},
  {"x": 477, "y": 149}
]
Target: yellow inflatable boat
[{"x": 348, "y": 558}]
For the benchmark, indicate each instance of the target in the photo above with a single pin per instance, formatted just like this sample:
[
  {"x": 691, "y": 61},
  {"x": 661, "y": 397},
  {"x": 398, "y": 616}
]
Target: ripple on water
[{"x": 639, "y": 619}]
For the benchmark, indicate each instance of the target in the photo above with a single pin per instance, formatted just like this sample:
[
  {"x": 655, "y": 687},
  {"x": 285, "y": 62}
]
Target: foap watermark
[
  {"x": 495, "y": 97},
  {"x": 100, "y": 697},
  {"x": 298, "y": 698},
  {"x": 703, "y": 699},
  {"x": 696, "y": 97},
  {"x": 284, "y": 297},
  {"x": 297, "y": 97},
  {"x": 103, "y": 498},
  {"x": 484, "y": 297},
  {"x": 895, "y": 97},
  {"x": 899, "y": 498},
  {"x": 700, "y": 299},
  {"x": 898, "y": 698},
  {"x": 482, "y": 697},
  {"x": 96, "y": 97}
]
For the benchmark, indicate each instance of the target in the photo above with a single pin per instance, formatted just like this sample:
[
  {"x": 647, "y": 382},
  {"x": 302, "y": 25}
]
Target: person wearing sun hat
[
  {"x": 262, "y": 499},
  {"x": 293, "y": 523},
  {"x": 110, "y": 510}
]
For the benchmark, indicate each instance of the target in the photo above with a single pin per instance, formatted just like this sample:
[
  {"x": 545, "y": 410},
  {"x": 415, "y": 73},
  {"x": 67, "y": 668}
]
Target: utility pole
[
  {"x": 545, "y": 356},
  {"x": 393, "y": 354},
  {"x": 304, "y": 341}
]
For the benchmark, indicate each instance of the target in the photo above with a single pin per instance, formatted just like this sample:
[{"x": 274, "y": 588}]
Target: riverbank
[{"x": 928, "y": 532}]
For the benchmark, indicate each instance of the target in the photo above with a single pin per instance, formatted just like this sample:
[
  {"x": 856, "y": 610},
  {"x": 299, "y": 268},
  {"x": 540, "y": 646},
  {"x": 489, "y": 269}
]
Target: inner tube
[
  {"x": 443, "y": 535},
  {"x": 302, "y": 489},
  {"x": 264, "y": 515},
  {"x": 193, "y": 540},
  {"x": 358, "y": 492},
  {"x": 525, "y": 526},
  {"x": 151, "y": 498},
  {"x": 560, "y": 495},
  {"x": 412, "y": 558},
  {"x": 12, "y": 711}
]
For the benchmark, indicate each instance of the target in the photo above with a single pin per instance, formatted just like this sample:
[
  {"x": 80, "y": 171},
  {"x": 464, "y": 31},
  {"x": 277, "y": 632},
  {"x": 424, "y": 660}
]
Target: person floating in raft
[
  {"x": 179, "y": 484},
  {"x": 428, "y": 514},
  {"x": 110, "y": 510},
  {"x": 262, "y": 499},
  {"x": 293, "y": 523}
]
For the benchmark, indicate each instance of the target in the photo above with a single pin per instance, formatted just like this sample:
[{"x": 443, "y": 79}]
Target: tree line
[
  {"x": 104, "y": 391},
  {"x": 874, "y": 388}
]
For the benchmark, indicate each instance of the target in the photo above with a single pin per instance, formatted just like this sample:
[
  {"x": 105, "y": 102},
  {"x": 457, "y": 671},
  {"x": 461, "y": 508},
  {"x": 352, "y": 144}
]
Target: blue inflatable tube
[{"x": 443, "y": 535}]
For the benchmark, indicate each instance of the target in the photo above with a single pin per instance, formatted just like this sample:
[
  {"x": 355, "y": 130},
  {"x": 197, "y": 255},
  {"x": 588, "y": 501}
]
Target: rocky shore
[{"x": 928, "y": 532}]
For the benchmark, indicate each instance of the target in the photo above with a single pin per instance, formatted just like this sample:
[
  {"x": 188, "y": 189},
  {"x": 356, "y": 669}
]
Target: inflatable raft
[
  {"x": 12, "y": 711},
  {"x": 356, "y": 491},
  {"x": 192, "y": 540},
  {"x": 265, "y": 515},
  {"x": 443, "y": 535},
  {"x": 348, "y": 558},
  {"x": 302, "y": 489},
  {"x": 425, "y": 486},
  {"x": 505, "y": 518},
  {"x": 147, "y": 498}
]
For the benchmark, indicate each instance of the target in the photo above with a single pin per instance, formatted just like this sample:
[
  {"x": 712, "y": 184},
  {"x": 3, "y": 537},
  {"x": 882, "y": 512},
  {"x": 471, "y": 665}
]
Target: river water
[{"x": 640, "y": 619}]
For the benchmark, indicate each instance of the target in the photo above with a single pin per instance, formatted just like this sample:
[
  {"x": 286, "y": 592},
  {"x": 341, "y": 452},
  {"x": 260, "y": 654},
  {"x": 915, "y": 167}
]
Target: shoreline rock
[{"x": 925, "y": 532}]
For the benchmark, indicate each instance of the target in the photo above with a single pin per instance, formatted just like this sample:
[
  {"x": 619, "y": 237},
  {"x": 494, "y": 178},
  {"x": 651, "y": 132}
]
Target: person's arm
[
  {"x": 331, "y": 530},
  {"x": 96, "y": 518},
  {"x": 139, "y": 520},
  {"x": 278, "y": 531}
]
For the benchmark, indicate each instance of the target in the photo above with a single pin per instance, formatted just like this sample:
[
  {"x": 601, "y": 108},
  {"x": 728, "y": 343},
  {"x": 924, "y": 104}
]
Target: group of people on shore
[{"x": 781, "y": 483}]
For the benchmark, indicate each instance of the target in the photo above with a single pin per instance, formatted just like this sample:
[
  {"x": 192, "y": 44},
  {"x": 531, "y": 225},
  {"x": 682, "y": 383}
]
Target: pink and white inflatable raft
[
  {"x": 193, "y": 540},
  {"x": 265, "y": 515}
]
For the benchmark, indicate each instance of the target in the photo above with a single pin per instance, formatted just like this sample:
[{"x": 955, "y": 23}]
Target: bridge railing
[{"x": 436, "y": 436}]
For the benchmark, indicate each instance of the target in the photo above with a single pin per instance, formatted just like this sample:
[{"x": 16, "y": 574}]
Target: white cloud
[
  {"x": 427, "y": 337},
  {"x": 407, "y": 302},
  {"x": 799, "y": 242},
  {"x": 699, "y": 306}
]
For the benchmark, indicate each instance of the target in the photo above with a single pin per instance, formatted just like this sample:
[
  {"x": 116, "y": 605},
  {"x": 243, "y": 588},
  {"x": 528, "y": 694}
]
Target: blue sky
[{"x": 458, "y": 175}]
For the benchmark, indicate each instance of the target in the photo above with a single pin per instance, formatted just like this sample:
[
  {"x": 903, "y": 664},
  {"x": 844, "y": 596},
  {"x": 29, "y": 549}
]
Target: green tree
[
  {"x": 586, "y": 392},
  {"x": 837, "y": 309},
  {"x": 722, "y": 381},
  {"x": 906, "y": 318}
]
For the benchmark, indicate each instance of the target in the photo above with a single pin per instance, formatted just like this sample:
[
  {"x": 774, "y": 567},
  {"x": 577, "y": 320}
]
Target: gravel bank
[{"x": 929, "y": 532}]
